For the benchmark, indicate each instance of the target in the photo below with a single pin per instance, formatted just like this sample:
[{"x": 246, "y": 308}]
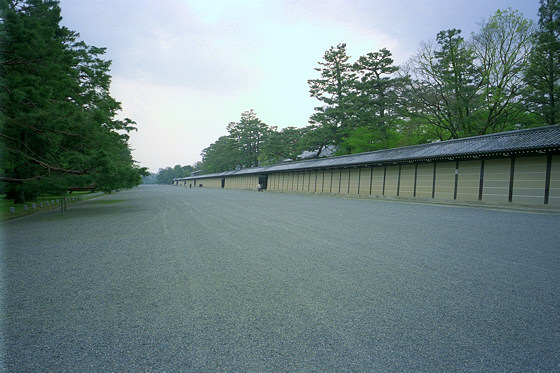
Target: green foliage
[
  {"x": 502, "y": 49},
  {"x": 374, "y": 103},
  {"x": 317, "y": 138},
  {"x": 242, "y": 147},
  {"x": 282, "y": 145},
  {"x": 542, "y": 78},
  {"x": 361, "y": 102},
  {"x": 222, "y": 155},
  {"x": 443, "y": 86},
  {"x": 336, "y": 73},
  {"x": 333, "y": 89},
  {"x": 58, "y": 120},
  {"x": 166, "y": 175},
  {"x": 367, "y": 138},
  {"x": 249, "y": 134},
  {"x": 466, "y": 88}
]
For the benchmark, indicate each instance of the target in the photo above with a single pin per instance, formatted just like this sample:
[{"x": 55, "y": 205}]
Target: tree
[
  {"x": 543, "y": 75},
  {"x": 374, "y": 103},
  {"x": 317, "y": 139},
  {"x": 282, "y": 145},
  {"x": 32, "y": 81},
  {"x": 222, "y": 155},
  {"x": 197, "y": 166},
  {"x": 502, "y": 48},
  {"x": 241, "y": 148},
  {"x": 250, "y": 133},
  {"x": 58, "y": 120},
  {"x": 443, "y": 86},
  {"x": 183, "y": 171},
  {"x": 472, "y": 88},
  {"x": 166, "y": 175},
  {"x": 332, "y": 88}
]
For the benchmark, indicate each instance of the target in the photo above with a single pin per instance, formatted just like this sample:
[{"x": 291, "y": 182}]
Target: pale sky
[{"x": 184, "y": 69}]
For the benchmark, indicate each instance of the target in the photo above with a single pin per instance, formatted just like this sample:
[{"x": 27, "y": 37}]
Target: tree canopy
[
  {"x": 542, "y": 77},
  {"x": 166, "y": 175},
  {"x": 472, "y": 87},
  {"x": 59, "y": 123}
]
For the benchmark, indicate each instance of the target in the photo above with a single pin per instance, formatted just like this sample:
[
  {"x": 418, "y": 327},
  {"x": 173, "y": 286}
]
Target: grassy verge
[{"x": 9, "y": 210}]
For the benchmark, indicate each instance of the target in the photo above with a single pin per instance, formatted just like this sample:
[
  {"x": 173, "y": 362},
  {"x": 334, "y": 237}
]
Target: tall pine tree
[
  {"x": 373, "y": 102},
  {"x": 58, "y": 125},
  {"x": 333, "y": 88},
  {"x": 543, "y": 76},
  {"x": 250, "y": 133}
]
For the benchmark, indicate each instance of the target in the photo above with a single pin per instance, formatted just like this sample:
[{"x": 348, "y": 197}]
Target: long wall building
[{"x": 517, "y": 167}]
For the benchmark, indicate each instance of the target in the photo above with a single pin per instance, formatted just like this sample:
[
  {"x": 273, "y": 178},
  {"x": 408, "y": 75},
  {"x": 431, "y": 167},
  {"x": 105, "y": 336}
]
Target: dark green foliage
[
  {"x": 241, "y": 148},
  {"x": 222, "y": 155},
  {"x": 543, "y": 75},
  {"x": 248, "y": 134},
  {"x": 166, "y": 175},
  {"x": 333, "y": 89},
  {"x": 317, "y": 138},
  {"x": 282, "y": 145},
  {"x": 58, "y": 120},
  {"x": 373, "y": 104}
]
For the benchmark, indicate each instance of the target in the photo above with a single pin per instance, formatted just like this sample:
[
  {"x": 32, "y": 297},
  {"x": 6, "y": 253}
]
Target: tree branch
[{"x": 5, "y": 179}]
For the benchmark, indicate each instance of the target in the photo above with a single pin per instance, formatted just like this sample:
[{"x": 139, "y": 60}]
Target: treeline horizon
[{"x": 504, "y": 77}]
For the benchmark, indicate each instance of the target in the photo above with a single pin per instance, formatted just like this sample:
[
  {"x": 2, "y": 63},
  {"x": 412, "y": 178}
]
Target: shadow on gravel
[{"x": 88, "y": 209}]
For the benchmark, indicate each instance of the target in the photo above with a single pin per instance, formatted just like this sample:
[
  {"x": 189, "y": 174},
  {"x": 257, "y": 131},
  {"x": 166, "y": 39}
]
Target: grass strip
[{"x": 8, "y": 209}]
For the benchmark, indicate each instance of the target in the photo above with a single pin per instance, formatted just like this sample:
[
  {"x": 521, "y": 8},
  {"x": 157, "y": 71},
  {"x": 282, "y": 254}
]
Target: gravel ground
[{"x": 172, "y": 279}]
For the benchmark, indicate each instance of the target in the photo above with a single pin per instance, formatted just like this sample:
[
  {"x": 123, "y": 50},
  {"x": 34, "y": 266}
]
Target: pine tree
[
  {"x": 543, "y": 76},
  {"x": 34, "y": 78},
  {"x": 58, "y": 124},
  {"x": 333, "y": 88},
  {"x": 373, "y": 102},
  {"x": 249, "y": 133}
]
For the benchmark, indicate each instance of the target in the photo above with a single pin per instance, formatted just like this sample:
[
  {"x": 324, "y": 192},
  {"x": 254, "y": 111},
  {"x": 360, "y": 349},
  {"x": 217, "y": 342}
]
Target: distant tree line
[
  {"x": 504, "y": 77},
  {"x": 58, "y": 122},
  {"x": 166, "y": 175}
]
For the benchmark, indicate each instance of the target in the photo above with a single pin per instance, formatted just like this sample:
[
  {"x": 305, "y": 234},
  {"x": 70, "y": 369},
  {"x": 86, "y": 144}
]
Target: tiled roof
[{"x": 545, "y": 138}]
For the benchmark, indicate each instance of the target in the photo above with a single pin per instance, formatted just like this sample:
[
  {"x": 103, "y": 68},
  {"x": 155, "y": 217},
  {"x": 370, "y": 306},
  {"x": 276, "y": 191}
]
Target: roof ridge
[
  {"x": 545, "y": 127},
  {"x": 463, "y": 139}
]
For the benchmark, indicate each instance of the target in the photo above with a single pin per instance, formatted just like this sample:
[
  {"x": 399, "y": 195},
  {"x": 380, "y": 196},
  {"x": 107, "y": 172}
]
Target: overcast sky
[{"x": 184, "y": 69}]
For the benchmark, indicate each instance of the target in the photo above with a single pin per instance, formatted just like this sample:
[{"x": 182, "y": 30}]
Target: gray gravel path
[{"x": 171, "y": 279}]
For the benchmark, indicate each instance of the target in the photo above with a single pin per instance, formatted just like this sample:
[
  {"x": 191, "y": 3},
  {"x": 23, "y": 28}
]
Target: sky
[{"x": 184, "y": 69}]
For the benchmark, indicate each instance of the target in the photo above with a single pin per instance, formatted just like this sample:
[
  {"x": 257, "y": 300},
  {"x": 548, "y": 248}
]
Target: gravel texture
[{"x": 173, "y": 279}]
